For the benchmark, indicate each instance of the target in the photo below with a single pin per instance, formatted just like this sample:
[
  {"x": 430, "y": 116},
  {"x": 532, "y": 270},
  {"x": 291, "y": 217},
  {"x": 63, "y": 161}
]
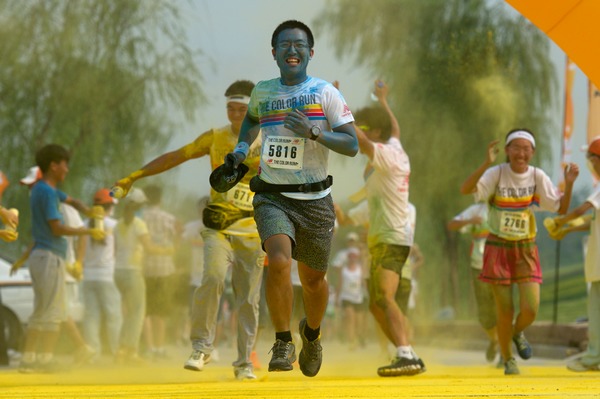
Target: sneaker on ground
[
  {"x": 284, "y": 354},
  {"x": 244, "y": 373},
  {"x": 84, "y": 355},
  {"x": 51, "y": 367},
  {"x": 196, "y": 361},
  {"x": 510, "y": 367},
  {"x": 311, "y": 355},
  {"x": 27, "y": 367},
  {"x": 523, "y": 346},
  {"x": 490, "y": 353},
  {"x": 579, "y": 366},
  {"x": 400, "y": 366}
]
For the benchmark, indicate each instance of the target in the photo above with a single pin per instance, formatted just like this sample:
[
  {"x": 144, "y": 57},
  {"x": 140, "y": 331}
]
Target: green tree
[
  {"x": 108, "y": 79},
  {"x": 462, "y": 73}
]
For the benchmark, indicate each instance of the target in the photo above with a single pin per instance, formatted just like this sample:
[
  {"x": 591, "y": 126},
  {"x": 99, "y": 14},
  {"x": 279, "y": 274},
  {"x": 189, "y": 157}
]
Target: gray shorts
[
  {"x": 309, "y": 223},
  {"x": 47, "y": 272}
]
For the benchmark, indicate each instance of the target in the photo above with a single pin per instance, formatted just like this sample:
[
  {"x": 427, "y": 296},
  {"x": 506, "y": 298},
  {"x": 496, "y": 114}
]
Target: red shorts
[{"x": 507, "y": 262}]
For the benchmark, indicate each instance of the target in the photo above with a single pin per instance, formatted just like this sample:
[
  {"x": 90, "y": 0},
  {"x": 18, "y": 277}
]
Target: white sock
[
  {"x": 414, "y": 354},
  {"x": 404, "y": 351}
]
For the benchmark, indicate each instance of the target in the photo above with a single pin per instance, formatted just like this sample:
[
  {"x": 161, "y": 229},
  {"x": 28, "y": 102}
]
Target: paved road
[{"x": 451, "y": 374}]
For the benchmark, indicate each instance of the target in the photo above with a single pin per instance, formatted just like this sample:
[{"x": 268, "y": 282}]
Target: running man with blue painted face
[{"x": 301, "y": 119}]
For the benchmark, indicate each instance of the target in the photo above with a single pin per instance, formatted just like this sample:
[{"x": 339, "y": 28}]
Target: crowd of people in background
[{"x": 260, "y": 248}]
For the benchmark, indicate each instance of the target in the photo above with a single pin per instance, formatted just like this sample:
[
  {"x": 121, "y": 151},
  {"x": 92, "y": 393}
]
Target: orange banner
[{"x": 568, "y": 23}]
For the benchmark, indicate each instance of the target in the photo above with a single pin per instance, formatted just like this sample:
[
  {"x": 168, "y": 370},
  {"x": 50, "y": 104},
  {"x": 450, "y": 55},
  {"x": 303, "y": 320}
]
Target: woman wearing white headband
[{"x": 513, "y": 191}]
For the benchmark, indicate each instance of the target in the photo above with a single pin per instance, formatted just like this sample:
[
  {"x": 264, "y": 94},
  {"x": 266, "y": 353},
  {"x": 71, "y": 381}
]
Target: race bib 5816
[{"x": 283, "y": 152}]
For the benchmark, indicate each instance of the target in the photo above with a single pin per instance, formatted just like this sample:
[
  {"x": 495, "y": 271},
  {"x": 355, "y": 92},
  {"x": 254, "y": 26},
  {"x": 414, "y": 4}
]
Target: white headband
[
  {"x": 521, "y": 134},
  {"x": 238, "y": 98}
]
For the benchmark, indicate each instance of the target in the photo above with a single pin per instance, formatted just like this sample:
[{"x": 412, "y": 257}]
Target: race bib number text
[
  {"x": 514, "y": 224},
  {"x": 241, "y": 197},
  {"x": 283, "y": 152}
]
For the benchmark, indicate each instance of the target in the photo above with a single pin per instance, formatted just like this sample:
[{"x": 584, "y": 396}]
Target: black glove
[
  {"x": 225, "y": 177},
  {"x": 234, "y": 159}
]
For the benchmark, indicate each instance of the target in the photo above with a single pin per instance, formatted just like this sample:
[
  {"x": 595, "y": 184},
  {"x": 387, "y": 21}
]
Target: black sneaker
[
  {"x": 311, "y": 356},
  {"x": 284, "y": 354},
  {"x": 400, "y": 366},
  {"x": 421, "y": 365},
  {"x": 522, "y": 345},
  {"x": 511, "y": 368}
]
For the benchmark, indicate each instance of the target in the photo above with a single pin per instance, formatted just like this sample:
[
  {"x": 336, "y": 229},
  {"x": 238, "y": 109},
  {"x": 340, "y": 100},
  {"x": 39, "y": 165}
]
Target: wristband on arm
[{"x": 243, "y": 148}]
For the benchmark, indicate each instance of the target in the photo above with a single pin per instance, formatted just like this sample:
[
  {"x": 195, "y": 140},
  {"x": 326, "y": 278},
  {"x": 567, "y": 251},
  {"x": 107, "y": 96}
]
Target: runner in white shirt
[
  {"x": 301, "y": 119},
  {"x": 390, "y": 228},
  {"x": 514, "y": 190}
]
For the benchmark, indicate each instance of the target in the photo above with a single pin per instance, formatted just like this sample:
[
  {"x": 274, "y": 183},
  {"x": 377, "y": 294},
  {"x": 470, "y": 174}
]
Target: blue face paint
[{"x": 292, "y": 54}]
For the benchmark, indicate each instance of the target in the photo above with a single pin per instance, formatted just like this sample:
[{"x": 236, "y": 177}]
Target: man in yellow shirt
[{"x": 230, "y": 238}]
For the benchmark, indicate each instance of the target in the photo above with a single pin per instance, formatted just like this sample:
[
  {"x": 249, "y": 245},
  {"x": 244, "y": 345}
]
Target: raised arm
[
  {"x": 169, "y": 160},
  {"x": 571, "y": 172},
  {"x": 381, "y": 92},
  {"x": 470, "y": 185}
]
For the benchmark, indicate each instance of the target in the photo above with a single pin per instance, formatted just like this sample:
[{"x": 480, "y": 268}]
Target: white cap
[
  {"x": 136, "y": 196},
  {"x": 352, "y": 236},
  {"x": 33, "y": 175}
]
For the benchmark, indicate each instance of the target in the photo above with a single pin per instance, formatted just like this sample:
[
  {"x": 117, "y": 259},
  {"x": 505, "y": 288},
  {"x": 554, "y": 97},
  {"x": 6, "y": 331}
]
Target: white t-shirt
[
  {"x": 478, "y": 232},
  {"x": 99, "y": 261},
  {"x": 287, "y": 158},
  {"x": 512, "y": 199},
  {"x": 129, "y": 250},
  {"x": 71, "y": 218},
  {"x": 351, "y": 289},
  {"x": 387, "y": 193},
  {"x": 592, "y": 259},
  {"x": 341, "y": 257},
  {"x": 359, "y": 215}
]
